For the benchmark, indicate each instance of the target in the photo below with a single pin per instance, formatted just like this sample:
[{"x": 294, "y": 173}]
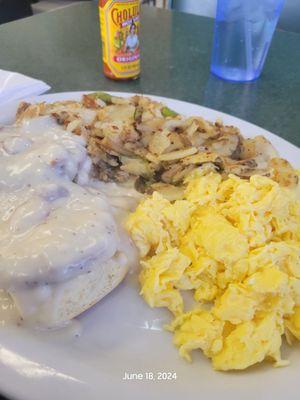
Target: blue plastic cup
[{"x": 242, "y": 37}]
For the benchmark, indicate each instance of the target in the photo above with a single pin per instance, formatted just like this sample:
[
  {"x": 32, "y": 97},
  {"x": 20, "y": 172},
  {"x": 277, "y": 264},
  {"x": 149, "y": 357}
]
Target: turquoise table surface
[{"x": 63, "y": 48}]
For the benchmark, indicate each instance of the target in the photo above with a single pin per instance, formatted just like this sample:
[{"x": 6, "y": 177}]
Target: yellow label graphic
[{"x": 120, "y": 25}]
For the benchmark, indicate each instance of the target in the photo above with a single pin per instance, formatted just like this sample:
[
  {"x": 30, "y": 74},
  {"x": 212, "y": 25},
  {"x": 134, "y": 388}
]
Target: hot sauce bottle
[{"x": 120, "y": 26}]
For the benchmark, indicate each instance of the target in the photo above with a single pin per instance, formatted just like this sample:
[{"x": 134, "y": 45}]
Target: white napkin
[{"x": 15, "y": 86}]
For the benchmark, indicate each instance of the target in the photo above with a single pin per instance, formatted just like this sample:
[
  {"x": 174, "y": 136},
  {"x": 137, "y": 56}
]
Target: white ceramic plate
[{"x": 122, "y": 334}]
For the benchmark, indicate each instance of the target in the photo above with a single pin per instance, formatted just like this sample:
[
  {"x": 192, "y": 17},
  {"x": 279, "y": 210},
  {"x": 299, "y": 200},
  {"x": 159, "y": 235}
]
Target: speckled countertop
[{"x": 63, "y": 48}]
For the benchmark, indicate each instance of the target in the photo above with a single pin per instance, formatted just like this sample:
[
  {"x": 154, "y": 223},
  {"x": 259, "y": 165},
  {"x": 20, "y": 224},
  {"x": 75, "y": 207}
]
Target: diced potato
[
  {"x": 159, "y": 142},
  {"x": 178, "y": 154}
]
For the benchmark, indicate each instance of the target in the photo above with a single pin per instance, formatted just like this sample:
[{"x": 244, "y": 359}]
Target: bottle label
[{"x": 120, "y": 25}]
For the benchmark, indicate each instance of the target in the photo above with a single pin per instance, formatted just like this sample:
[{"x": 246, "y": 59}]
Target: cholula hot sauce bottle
[{"x": 120, "y": 26}]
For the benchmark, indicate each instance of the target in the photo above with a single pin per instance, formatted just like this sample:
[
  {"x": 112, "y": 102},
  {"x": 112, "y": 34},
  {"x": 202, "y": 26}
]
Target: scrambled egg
[{"x": 235, "y": 245}]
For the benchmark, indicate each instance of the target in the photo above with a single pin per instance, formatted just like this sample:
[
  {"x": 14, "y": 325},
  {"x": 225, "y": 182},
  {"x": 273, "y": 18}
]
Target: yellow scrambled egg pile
[{"x": 235, "y": 246}]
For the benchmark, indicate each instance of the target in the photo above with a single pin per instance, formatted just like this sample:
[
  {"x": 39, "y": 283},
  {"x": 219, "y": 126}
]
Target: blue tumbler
[{"x": 242, "y": 36}]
